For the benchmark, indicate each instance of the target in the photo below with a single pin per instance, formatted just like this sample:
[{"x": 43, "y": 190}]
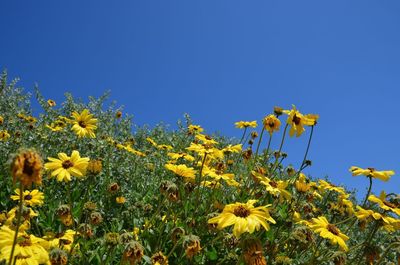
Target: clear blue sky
[{"x": 224, "y": 61}]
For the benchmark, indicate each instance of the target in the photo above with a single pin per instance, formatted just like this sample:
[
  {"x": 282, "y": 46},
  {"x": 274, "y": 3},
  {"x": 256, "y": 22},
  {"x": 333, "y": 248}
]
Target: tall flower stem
[
  {"x": 259, "y": 142},
  {"x": 369, "y": 191},
  {"x": 199, "y": 179},
  {"x": 308, "y": 148},
  {"x": 19, "y": 215},
  {"x": 280, "y": 149},
  {"x": 269, "y": 144},
  {"x": 243, "y": 135},
  {"x": 369, "y": 238}
]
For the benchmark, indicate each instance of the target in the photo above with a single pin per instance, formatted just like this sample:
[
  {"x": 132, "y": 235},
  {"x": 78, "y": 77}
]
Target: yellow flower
[
  {"x": 371, "y": 172},
  {"x": 158, "y": 146},
  {"x": 324, "y": 185},
  {"x": 62, "y": 240},
  {"x": 1, "y": 120},
  {"x": 51, "y": 103},
  {"x": 151, "y": 141},
  {"x": 244, "y": 216},
  {"x": 188, "y": 173},
  {"x": 27, "y": 250},
  {"x": 207, "y": 140},
  {"x": 133, "y": 151},
  {"x": 229, "y": 178},
  {"x": 271, "y": 123},
  {"x": 4, "y": 135},
  {"x": 329, "y": 231},
  {"x": 30, "y": 198},
  {"x": 246, "y": 124},
  {"x": 84, "y": 124},
  {"x": 301, "y": 184},
  {"x": 27, "y": 215},
  {"x": 120, "y": 200},
  {"x": 194, "y": 129},
  {"x": 232, "y": 148},
  {"x": 384, "y": 204},
  {"x": 66, "y": 166},
  {"x": 297, "y": 121},
  {"x": 176, "y": 156}
]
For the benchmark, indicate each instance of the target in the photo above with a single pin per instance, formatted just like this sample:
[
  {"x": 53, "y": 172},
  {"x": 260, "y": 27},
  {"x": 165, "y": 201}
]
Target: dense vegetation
[{"x": 83, "y": 185}]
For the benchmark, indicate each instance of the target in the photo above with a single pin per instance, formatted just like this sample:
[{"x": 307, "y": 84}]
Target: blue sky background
[{"x": 224, "y": 61}]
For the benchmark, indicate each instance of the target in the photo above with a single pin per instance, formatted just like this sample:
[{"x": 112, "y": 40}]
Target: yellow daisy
[
  {"x": 329, "y": 231},
  {"x": 384, "y": 203},
  {"x": 297, "y": 121},
  {"x": 4, "y": 135},
  {"x": 120, "y": 200},
  {"x": 244, "y": 216},
  {"x": 27, "y": 250},
  {"x": 246, "y": 124},
  {"x": 30, "y": 198},
  {"x": 51, "y": 103},
  {"x": 271, "y": 123},
  {"x": 66, "y": 166},
  {"x": 62, "y": 240},
  {"x": 372, "y": 172},
  {"x": 176, "y": 156},
  {"x": 84, "y": 124},
  {"x": 194, "y": 129},
  {"x": 188, "y": 173}
]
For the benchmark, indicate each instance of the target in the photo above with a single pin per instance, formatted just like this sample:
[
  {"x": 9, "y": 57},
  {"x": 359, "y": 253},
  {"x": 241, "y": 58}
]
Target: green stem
[
  {"x": 244, "y": 133},
  {"x": 269, "y": 144},
  {"x": 386, "y": 251},
  {"x": 259, "y": 142},
  {"x": 308, "y": 147},
  {"x": 374, "y": 230},
  {"x": 280, "y": 149},
  {"x": 199, "y": 179},
  {"x": 19, "y": 215},
  {"x": 369, "y": 191}
]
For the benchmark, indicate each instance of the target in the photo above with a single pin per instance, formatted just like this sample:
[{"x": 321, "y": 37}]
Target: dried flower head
[
  {"x": 159, "y": 259},
  {"x": 133, "y": 252},
  {"x": 191, "y": 244},
  {"x": 253, "y": 252},
  {"x": 27, "y": 168}
]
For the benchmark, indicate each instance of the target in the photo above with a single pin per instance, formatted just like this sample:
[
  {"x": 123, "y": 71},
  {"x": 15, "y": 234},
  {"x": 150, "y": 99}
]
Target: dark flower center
[
  {"x": 296, "y": 120},
  {"x": 28, "y": 197},
  {"x": 241, "y": 211},
  {"x": 389, "y": 204},
  {"x": 67, "y": 164},
  {"x": 82, "y": 124},
  {"x": 333, "y": 229},
  {"x": 28, "y": 167},
  {"x": 273, "y": 184},
  {"x": 24, "y": 241}
]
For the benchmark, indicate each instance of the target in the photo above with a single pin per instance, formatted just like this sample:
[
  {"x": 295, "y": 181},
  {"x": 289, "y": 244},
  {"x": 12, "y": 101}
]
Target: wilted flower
[
  {"x": 133, "y": 252},
  {"x": 191, "y": 244},
  {"x": 253, "y": 252},
  {"x": 27, "y": 168},
  {"x": 159, "y": 259}
]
